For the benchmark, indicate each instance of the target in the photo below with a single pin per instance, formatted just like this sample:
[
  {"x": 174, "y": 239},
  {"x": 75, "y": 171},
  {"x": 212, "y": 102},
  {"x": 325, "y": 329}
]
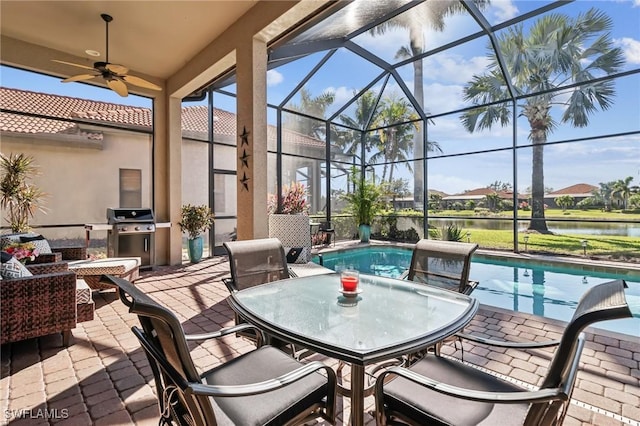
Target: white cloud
[
  {"x": 504, "y": 10},
  {"x": 453, "y": 184},
  {"x": 454, "y": 68},
  {"x": 274, "y": 78},
  {"x": 630, "y": 47}
]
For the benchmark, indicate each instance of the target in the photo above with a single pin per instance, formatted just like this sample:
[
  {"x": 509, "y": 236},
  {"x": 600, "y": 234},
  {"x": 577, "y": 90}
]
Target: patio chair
[
  {"x": 441, "y": 390},
  {"x": 261, "y": 387},
  {"x": 444, "y": 264},
  {"x": 254, "y": 262},
  {"x": 325, "y": 230}
]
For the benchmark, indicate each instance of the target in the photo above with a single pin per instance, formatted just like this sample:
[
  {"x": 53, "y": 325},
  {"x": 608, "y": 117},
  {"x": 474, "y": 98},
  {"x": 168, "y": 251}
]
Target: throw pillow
[
  {"x": 7, "y": 240},
  {"x": 39, "y": 241},
  {"x": 14, "y": 269},
  {"x": 5, "y": 256}
]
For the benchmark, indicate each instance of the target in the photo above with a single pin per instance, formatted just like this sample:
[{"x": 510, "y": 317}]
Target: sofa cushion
[
  {"x": 14, "y": 269},
  {"x": 39, "y": 241},
  {"x": 83, "y": 292}
]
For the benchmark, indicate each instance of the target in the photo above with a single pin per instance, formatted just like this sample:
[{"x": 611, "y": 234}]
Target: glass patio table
[{"x": 388, "y": 318}]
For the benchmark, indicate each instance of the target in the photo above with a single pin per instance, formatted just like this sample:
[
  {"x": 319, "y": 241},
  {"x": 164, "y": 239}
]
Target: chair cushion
[
  {"x": 14, "y": 269},
  {"x": 424, "y": 405},
  {"x": 275, "y": 407}
]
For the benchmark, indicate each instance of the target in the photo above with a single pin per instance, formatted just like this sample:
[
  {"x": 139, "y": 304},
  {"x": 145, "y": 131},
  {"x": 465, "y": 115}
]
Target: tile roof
[
  {"x": 194, "y": 118},
  {"x": 579, "y": 189},
  {"x": 479, "y": 193}
]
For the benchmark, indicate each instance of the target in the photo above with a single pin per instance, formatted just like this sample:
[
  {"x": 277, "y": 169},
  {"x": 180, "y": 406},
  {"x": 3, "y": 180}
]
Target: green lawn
[
  {"x": 549, "y": 214},
  {"x": 599, "y": 246}
]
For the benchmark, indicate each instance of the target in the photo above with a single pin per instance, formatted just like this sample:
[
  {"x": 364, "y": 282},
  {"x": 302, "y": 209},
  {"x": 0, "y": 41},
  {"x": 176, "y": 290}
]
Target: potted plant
[
  {"x": 291, "y": 224},
  {"x": 18, "y": 197},
  {"x": 195, "y": 220},
  {"x": 364, "y": 203}
]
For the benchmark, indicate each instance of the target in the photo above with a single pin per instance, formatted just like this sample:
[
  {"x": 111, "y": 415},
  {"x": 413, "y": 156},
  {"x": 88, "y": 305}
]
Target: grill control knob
[
  {"x": 124, "y": 228},
  {"x": 150, "y": 227},
  {"x": 137, "y": 228}
]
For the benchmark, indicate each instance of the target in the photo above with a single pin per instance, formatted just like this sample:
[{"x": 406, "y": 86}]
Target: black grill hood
[{"x": 137, "y": 215}]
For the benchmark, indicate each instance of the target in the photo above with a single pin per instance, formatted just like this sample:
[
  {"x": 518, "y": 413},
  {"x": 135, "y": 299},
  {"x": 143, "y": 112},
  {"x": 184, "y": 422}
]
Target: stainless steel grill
[{"x": 132, "y": 234}]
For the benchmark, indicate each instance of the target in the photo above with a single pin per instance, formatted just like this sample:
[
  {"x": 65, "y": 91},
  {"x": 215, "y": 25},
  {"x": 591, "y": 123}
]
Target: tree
[
  {"x": 622, "y": 190},
  {"x": 500, "y": 186},
  {"x": 603, "y": 195},
  {"x": 366, "y": 111},
  {"x": 314, "y": 106},
  {"x": 435, "y": 201},
  {"x": 18, "y": 196},
  {"x": 492, "y": 201},
  {"x": 428, "y": 14},
  {"x": 395, "y": 141},
  {"x": 557, "y": 51},
  {"x": 565, "y": 202}
]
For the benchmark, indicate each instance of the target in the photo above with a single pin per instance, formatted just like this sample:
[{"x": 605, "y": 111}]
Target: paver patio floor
[{"x": 103, "y": 378}]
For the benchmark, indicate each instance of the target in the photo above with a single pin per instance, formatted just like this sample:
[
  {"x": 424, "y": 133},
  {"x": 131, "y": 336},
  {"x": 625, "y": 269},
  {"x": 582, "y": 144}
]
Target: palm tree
[
  {"x": 366, "y": 110},
  {"x": 428, "y": 14},
  {"x": 395, "y": 140},
  {"x": 622, "y": 190},
  {"x": 557, "y": 51},
  {"x": 313, "y": 106}
]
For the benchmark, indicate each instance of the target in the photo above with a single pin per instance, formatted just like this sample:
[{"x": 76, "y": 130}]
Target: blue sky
[{"x": 444, "y": 78}]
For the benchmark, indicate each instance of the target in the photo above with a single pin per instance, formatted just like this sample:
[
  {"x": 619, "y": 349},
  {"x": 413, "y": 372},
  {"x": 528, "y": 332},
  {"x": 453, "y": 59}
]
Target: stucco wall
[{"x": 82, "y": 180}]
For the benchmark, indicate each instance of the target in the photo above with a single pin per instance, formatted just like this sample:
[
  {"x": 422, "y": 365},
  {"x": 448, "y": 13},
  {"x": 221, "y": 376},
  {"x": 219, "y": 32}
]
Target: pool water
[{"x": 548, "y": 291}]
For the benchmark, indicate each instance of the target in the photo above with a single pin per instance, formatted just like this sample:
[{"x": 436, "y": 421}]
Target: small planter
[
  {"x": 364, "y": 231},
  {"x": 195, "y": 249}
]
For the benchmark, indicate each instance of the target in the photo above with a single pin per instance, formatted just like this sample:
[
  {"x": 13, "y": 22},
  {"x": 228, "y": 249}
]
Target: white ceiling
[{"x": 156, "y": 38}]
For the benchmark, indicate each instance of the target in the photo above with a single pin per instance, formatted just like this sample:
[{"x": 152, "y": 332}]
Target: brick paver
[{"x": 104, "y": 377}]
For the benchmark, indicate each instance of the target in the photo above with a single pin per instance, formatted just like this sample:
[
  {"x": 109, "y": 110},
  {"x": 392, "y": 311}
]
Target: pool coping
[{"x": 630, "y": 270}]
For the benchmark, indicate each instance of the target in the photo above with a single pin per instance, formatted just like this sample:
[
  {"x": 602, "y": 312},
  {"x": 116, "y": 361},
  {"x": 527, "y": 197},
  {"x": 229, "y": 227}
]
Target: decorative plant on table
[
  {"x": 18, "y": 197},
  {"x": 364, "y": 202},
  {"x": 196, "y": 220}
]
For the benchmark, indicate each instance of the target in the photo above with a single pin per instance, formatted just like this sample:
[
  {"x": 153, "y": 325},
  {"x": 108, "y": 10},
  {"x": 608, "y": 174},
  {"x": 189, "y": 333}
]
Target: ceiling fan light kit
[{"x": 114, "y": 75}]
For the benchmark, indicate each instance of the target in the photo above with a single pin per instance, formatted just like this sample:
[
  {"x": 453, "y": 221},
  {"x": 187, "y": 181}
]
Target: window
[{"x": 130, "y": 188}]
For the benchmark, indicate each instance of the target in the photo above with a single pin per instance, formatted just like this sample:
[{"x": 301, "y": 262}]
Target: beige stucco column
[{"x": 251, "y": 56}]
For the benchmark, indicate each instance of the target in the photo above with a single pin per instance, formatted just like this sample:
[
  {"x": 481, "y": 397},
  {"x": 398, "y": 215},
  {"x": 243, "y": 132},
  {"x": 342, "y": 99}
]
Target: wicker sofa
[{"x": 51, "y": 301}]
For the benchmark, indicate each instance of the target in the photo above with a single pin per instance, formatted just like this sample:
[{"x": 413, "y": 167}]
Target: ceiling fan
[{"x": 114, "y": 75}]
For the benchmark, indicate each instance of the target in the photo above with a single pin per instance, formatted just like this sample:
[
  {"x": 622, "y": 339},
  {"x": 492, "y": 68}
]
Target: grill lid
[{"x": 136, "y": 215}]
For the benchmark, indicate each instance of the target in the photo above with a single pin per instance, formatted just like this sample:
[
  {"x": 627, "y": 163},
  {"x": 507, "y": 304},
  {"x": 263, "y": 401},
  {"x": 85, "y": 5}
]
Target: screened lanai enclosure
[
  {"x": 506, "y": 123},
  {"x": 512, "y": 124}
]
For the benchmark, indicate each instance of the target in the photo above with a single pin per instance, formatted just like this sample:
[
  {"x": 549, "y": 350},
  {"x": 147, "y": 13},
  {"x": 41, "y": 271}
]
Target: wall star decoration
[
  {"x": 245, "y": 159},
  {"x": 244, "y": 137},
  {"x": 245, "y": 181}
]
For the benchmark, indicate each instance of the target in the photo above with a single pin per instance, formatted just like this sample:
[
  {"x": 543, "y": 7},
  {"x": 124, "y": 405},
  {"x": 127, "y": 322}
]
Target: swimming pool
[{"x": 546, "y": 290}]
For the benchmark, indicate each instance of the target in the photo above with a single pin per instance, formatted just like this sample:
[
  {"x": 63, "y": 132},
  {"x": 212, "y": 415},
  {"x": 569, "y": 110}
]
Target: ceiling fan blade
[
  {"x": 118, "y": 86},
  {"x": 140, "y": 82},
  {"x": 80, "y": 77},
  {"x": 73, "y": 65},
  {"x": 117, "y": 69}
]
